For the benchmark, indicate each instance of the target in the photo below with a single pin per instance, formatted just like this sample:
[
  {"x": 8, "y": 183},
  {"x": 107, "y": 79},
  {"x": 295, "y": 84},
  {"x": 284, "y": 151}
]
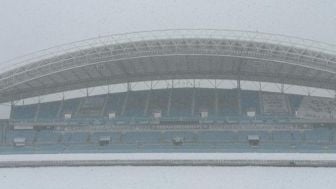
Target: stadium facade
[{"x": 196, "y": 118}]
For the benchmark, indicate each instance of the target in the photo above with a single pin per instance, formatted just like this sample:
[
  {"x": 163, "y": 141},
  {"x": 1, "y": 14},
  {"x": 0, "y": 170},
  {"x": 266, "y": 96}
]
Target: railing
[
  {"x": 171, "y": 162},
  {"x": 163, "y": 120}
]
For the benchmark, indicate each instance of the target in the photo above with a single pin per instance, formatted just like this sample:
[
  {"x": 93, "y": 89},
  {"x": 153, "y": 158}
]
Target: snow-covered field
[
  {"x": 125, "y": 177},
  {"x": 167, "y": 178}
]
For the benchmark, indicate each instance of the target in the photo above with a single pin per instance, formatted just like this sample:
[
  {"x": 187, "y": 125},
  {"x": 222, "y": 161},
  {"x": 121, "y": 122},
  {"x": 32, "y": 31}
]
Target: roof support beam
[{"x": 172, "y": 58}]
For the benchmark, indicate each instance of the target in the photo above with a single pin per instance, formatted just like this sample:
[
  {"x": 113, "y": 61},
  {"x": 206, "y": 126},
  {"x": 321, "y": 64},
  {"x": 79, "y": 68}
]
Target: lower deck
[{"x": 172, "y": 138}]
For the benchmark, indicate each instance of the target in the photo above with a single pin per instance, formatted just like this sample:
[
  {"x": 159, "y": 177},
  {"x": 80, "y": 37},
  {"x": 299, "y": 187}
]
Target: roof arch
[{"x": 171, "y": 54}]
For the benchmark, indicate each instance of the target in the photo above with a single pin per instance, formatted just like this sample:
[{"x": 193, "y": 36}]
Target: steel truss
[{"x": 171, "y": 54}]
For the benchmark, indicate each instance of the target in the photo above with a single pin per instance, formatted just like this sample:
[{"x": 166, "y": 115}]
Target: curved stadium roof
[{"x": 171, "y": 54}]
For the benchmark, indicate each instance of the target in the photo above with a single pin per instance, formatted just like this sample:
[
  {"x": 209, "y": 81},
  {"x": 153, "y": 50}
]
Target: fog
[{"x": 28, "y": 26}]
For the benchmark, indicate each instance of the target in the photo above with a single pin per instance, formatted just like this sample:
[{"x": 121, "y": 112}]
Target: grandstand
[{"x": 171, "y": 118}]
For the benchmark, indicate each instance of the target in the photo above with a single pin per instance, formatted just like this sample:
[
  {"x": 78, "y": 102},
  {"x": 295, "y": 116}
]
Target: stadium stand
[
  {"x": 227, "y": 103},
  {"x": 115, "y": 104},
  {"x": 179, "y": 128},
  {"x": 136, "y": 103},
  {"x": 219, "y": 136},
  {"x": 275, "y": 104},
  {"x": 141, "y": 137},
  {"x": 163, "y": 139},
  {"x": 27, "y": 112},
  {"x": 47, "y": 137},
  {"x": 205, "y": 117},
  {"x": 91, "y": 107},
  {"x": 205, "y": 101},
  {"x": 318, "y": 135},
  {"x": 159, "y": 101},
  {"x": 181, "y": 102},
  {"x": 294, "y": 101},
  {"x": 70, "y": 107},
  {"x": 317, "y": 108},
  {"x": 115, "y": 137},
  {"x": 48, "y": 110},
  {"x": 174, "y": 103},
  {"x": 250, "y": 101}
]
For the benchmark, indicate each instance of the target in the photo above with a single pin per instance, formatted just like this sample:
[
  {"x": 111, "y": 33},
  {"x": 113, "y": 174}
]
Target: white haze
[{"x": 28, "y": 26}]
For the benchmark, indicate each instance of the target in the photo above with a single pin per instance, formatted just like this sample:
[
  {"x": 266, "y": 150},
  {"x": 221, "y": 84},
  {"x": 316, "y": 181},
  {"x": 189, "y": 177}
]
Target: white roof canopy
[{"x": 171, "y": 54}]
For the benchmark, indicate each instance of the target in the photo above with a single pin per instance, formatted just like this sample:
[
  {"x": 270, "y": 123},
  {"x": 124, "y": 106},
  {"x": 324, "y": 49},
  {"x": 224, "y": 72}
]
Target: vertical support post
[
  {"x": 308, "y": 91},
  {"x": 240, "y": 61},
  {"x": 216, "y": 99},
  {"x": 148, "y": 97},
  {"x": 2, "y": 126},
  {"x": 238, "y": 83},
  {"x": 193, "y": 98},
  {"x": 282, "y": 88},
  {"x": 61, "y": 107},
  {"x": 261, "y": 104},
  {"x": 38, "y": 108},
  {"x": 129, "y": 86},
  {"x": 11, "y": 109},
  {"x": 193, "y": 102},
  {"x": 238, "y": 95},
  {"x": 170, "y": 98}
]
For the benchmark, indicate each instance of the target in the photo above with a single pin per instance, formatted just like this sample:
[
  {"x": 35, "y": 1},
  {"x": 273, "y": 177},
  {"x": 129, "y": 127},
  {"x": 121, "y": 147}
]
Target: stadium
[{"x": 172, "y": 91}]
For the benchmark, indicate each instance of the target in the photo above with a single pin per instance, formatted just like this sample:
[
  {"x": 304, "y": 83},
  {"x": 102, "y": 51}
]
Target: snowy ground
[{"x": 167, "y": 177}]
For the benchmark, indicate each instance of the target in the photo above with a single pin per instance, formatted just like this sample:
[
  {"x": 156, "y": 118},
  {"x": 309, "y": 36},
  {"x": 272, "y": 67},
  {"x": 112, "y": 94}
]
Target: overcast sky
[{"x": 31, "y": 25}]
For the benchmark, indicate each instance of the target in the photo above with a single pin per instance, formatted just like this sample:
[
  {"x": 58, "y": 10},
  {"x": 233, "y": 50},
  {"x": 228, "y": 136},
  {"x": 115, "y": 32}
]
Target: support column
[
  {"x": 240, "y": 61},
  {"x": 170, "y": 97},
  {"x": 38, "y": 109},
  {"x": 102, "y": 112},
  {"x": 60, "y": 108},
  {"x": 105, "y": 102},
  {"x": 193, "y": 102},
  {"x": 216, "y": 99},
  {"x": 261, "y": 104},
  {"x": 147, "y": 102},
  {"x": 3, "y": 133},
  {"x": 12, "y": 109},
  {"x": 238, "y": 96},
  {"x": 123, "y": 110},
  {"x": 282, "y": 88},
  {"x": 129, "y": 86}
]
